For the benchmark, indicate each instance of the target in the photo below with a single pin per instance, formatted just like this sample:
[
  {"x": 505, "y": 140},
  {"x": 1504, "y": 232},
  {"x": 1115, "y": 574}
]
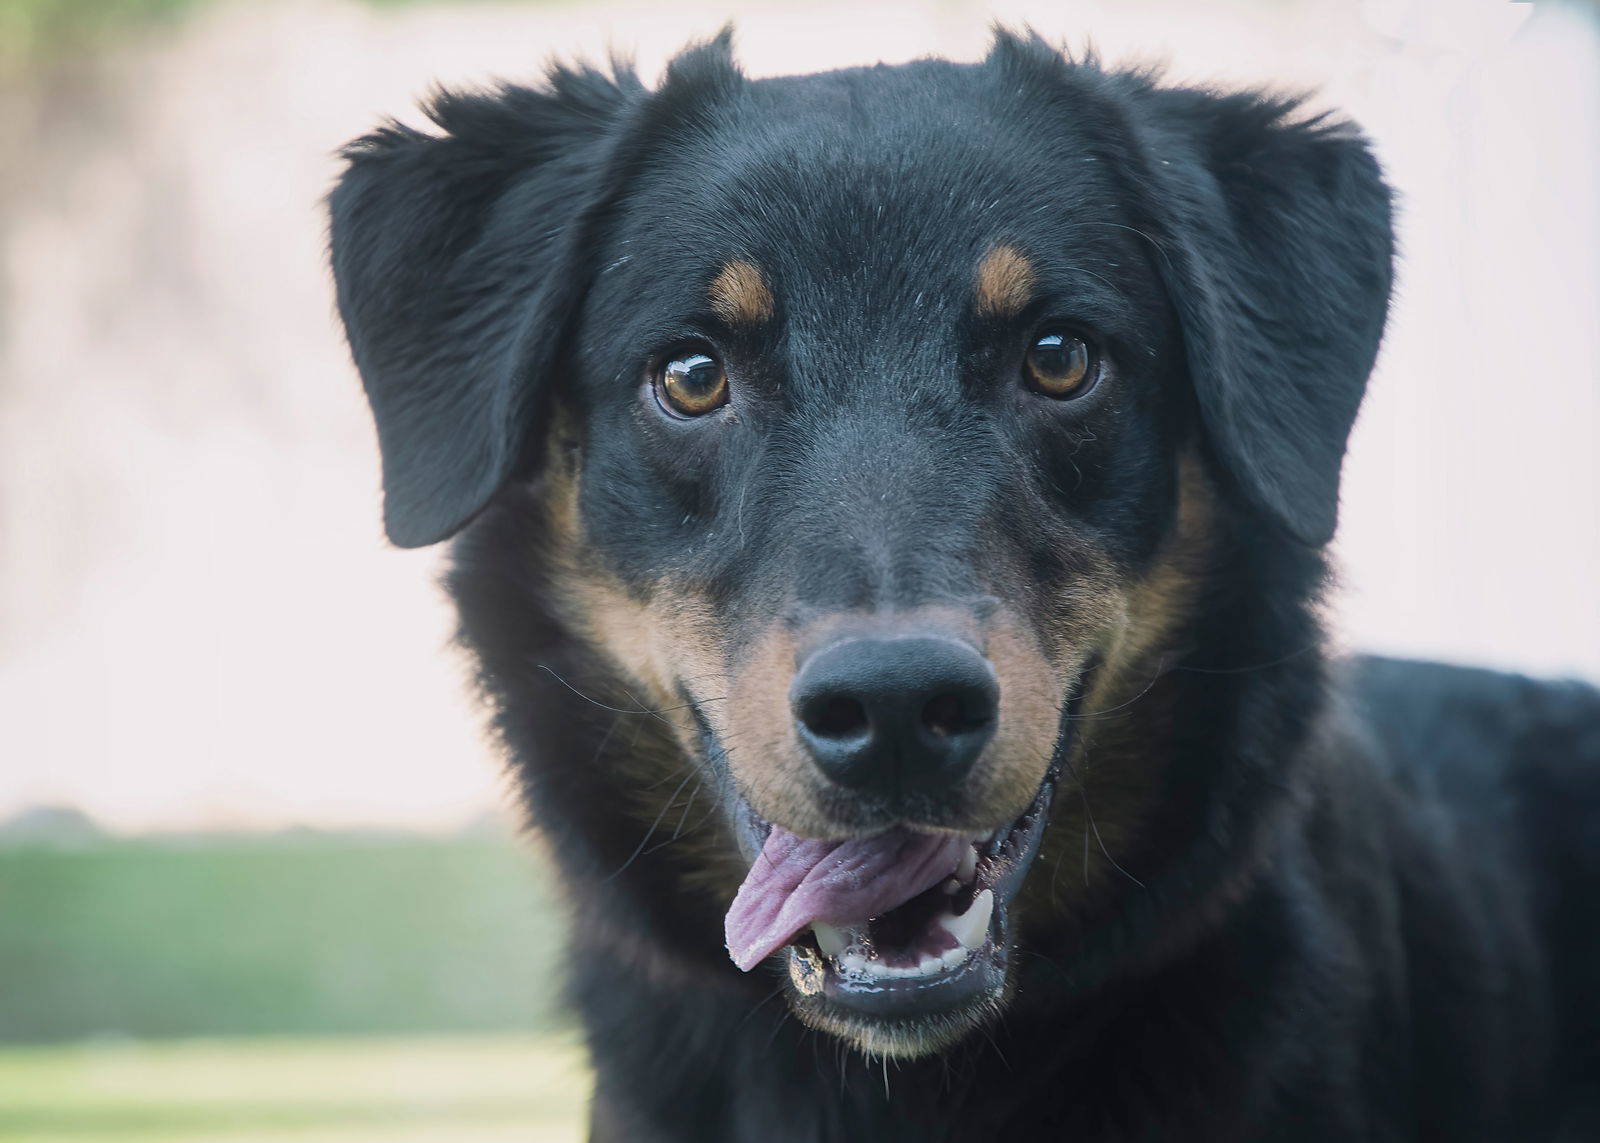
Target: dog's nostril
[
  {"x": 948, "y": 715},
  {"x": 836, "y": 717}
]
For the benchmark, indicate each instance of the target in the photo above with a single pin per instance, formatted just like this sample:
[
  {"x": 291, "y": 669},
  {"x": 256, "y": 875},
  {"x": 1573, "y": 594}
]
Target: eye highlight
[
  {"x": 1061, "y": 366},
  {"x": 692, "y": 385}
]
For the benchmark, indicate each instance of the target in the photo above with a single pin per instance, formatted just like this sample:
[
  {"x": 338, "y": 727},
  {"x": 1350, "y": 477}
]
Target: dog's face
[
  {"x": 828, "y": 396},
  {"x": 880, "y": 420}
]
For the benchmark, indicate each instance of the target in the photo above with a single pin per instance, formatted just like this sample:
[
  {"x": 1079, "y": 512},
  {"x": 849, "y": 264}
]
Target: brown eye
[
  {"x": 692, "y": 385},
  {"x": 1060, "y": 366}
]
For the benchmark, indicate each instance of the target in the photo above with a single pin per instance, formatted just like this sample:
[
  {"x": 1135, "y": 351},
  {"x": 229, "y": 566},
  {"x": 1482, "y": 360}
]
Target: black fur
[{"x": 1366, "y": 899}]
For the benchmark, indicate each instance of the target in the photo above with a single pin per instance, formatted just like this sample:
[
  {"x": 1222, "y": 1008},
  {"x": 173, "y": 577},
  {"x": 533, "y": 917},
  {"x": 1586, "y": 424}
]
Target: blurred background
[{"x": 259, "y": 878}]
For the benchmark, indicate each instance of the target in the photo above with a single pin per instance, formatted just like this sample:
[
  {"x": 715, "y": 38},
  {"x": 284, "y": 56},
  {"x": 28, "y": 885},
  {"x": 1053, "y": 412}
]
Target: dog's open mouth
[{"x": 903, "y": 923}]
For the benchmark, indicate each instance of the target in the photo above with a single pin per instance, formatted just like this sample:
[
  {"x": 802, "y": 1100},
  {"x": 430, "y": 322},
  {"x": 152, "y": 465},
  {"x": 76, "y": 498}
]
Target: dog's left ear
[
  {"x": 454, "y": 255},
  {"x": 1275, "y": 241},
  {"x": 461, "y": 258}
]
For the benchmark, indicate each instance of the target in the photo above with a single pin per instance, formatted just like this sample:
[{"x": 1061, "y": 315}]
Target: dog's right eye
[
  {"x": 1061, "y": 366},
  {"x": 692, "y": 385}
]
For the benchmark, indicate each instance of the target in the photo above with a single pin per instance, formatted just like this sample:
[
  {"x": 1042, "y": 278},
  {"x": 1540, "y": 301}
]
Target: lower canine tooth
[
  {"x": 972, "y": 927},
  {"x": 968, "y": 868},
  {"x": 829, "y": 939},
  {"x": 931, "y": 964}
]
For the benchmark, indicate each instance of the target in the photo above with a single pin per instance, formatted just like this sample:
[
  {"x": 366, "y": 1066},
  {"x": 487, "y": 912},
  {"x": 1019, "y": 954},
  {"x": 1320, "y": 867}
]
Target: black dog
[{"x": 894, "y": 504}]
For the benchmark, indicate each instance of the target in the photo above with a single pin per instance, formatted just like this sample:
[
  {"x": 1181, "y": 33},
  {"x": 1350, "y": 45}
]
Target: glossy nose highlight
[{"x": 896, "y": 716}]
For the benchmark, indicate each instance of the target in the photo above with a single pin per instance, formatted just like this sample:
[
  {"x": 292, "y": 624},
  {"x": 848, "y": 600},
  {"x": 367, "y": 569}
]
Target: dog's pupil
[
  {"x": 1060, "y": 361},
  {"x": 701, "y": 376},
  {"x": 695, "y": 381}
]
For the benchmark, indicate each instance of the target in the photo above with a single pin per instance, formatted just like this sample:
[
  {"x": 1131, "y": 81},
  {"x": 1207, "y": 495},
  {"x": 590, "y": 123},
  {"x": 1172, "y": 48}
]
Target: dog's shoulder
[
  {"x": 1466, "y": 801},
  {"x": 1463, "y": 732}
]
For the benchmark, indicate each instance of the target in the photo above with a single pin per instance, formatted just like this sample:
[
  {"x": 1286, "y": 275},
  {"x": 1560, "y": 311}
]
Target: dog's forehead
[{"x": 874, "y": 185}]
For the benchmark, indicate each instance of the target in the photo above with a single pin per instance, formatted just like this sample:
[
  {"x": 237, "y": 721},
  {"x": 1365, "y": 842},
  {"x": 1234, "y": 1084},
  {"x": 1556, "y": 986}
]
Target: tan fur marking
[
  {"x": 1005, "y": 282},
  {"x": 739, "y": 295}
]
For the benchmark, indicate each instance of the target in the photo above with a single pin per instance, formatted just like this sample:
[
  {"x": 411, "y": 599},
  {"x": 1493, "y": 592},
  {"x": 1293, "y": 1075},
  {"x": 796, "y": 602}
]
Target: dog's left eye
[
  {"x": 1061, "y": 366},
  {"x": 692, "y": 385}
]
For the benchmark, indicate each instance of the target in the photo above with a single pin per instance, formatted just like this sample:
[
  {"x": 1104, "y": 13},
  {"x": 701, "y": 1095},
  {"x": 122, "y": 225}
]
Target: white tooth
[
  {"x": 951, "y": 886},
  {"x": 853, "y": 964},
  {"x": 968, "y": 869},
  {"x": 829, "y": 939},
  {"x": 955, "y": 956},
  {"x": 972, "y": 927},
  {"x": 931, "y": 964}
]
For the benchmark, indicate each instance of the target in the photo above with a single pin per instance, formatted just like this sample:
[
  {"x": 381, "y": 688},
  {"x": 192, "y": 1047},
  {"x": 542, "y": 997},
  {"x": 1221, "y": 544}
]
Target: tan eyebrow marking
[
  {"x": 739, "y": 295},
  {"x": 1005, "y": 282}
]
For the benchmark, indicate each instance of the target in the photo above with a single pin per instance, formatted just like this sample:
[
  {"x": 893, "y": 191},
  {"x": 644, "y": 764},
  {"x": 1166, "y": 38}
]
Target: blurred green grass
[
  {"x": 293, "y": 988},
  {"x": 477, "y": 1089},
  {"x": 282, "y": 935}
]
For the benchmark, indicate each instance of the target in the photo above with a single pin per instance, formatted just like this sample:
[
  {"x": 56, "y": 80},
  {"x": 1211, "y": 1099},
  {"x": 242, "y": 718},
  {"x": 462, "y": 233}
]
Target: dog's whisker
[
  {"x": 1085, "y": 839},
  {"x": 689, "y": 805},
  {"x": 679, "y": 832},
  {"x": 1309, "y": 647},
  {"x": 1154, "y": 679},
  {"x": 758, "y": 1006},
  {"x": 649, "y": 833},
  {"x": 1134, "y": 230},
  {"x": 995, "y": 1044},
  {"x": 617, "y": 709},
  {"x": 1099, "y": 278},
  {"x": 605, "y": 739},
  {"x": 1094, "y": 827}
]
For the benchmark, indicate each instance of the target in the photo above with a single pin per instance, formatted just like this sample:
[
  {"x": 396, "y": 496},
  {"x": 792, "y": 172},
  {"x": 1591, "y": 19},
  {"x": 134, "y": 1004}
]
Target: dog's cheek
[
  {"x": 654, "y": 651},
  {"x": 659, "y": 636},
  {"x": 1107, "y": 801}
]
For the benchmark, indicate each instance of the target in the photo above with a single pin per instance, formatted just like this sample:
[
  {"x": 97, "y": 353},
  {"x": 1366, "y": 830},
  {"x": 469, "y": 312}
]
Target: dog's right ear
[{"x": 458, "y": 264}]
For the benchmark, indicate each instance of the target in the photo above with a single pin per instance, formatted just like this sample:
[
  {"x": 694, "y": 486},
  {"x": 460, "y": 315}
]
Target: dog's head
[{"x": 881, "y": 419}]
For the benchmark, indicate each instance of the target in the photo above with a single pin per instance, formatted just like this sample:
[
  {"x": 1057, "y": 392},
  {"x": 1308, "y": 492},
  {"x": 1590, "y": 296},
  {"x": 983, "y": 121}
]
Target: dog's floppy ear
[
  {"x": 455, "y": 259},
  {"x": 1276, "y": 246}
]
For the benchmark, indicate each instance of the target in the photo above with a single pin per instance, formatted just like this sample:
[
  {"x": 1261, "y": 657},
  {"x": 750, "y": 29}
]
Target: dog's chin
[{"x": 927, "y": 973}]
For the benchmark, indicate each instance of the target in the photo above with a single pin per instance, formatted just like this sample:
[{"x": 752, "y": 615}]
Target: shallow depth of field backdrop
[{"x": 258, "y": 879}]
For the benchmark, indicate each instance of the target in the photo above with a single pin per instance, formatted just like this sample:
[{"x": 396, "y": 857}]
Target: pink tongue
[{"x": 795, "y": 881}]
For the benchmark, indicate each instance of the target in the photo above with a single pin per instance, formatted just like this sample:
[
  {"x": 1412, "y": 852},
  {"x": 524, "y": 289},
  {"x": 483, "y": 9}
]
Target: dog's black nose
[{"x": 896, "y": 716}]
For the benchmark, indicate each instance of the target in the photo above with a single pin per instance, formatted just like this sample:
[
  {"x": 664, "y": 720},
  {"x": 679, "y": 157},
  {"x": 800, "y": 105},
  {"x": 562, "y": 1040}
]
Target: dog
[{"x": 889, "y": 514}]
